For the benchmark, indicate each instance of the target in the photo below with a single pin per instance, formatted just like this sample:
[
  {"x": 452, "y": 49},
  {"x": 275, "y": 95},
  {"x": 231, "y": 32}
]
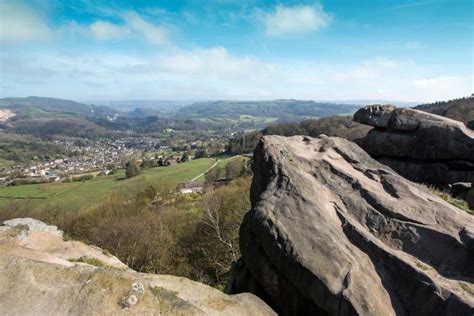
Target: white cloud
[
  {"x": 287, "y": 21},
  {"x": 24, "y": 24},
  {"x": 21, "y": 24},
  {"x": 215, "y": 73},
  {"x": 153, "y": 33},
  {"x": 133, "y": 26},
  {"x": 213, "y": 61},
  {"x": 103, "y": 30},
  {"x": 176, "y": 73}
]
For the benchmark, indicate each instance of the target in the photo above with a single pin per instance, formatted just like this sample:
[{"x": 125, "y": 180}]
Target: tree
[
  {"x": 234, "y": 168},
  {"x": 212, "y": 175},
  {"x": 185, "y": 157},
  {"x": 214, "y": 243},
  {"x": 201, "y": 153},
  {"x": 132, "y": 169}
]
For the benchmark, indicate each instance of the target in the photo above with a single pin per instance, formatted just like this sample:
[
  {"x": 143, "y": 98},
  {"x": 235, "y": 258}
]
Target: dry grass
[
  {"x": 88, "y": 260},
  {"x": 461, "y": 204}
]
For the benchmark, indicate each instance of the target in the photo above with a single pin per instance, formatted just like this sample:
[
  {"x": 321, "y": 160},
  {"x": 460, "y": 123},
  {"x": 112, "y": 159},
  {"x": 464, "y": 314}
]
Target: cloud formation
[
  {"x": 104, "y": 30},
  {"x": 20, "y": 24},
  {"x": 127, "y": 52},
  {"x": 287, "y": 21},
  {"x": 215, "y": 73},
  {"x": 133, "y": 26}
]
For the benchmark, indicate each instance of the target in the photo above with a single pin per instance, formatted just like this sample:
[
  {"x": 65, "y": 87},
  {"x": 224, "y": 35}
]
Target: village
[{"x": 98, "y": 158}]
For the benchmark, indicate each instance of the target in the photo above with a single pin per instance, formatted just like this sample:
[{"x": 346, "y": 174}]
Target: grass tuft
[
  {"x": 461, "y": 204},
  {"x": 89, "y": 260}
]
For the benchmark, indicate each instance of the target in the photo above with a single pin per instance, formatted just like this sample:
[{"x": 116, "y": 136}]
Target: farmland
[{"x": 76, "y": 195}]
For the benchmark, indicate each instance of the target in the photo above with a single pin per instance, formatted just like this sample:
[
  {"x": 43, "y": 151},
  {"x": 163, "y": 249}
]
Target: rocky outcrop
[
  {"x": 41, "y": 274},
  {"x": 333, "y": 231},
  {"x": 422, "y": 147}
]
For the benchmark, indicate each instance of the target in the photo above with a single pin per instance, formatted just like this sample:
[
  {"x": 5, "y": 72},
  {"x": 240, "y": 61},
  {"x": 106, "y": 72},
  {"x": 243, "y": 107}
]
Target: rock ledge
[{"x": 41, "y": 274}]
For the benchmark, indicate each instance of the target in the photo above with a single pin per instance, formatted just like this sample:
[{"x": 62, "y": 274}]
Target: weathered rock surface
[
  {"x": 41, "y": 274},
  {"x": 32, "y": 225},
  {"x": 422, "y": 147},
  {"x": 332, "y": 231}
]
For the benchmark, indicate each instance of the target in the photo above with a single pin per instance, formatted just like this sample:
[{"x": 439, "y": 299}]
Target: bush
[
  {"x": 212, "y": 175},
  {"x": 85, "y": 177},
  {"x": 213, "y": 245},
  {"x": 131, "y": 169},
  {"x": 157, "y": 230},
  {"x": 201, "y": 153},
  {"x": 234, "y": 168}
]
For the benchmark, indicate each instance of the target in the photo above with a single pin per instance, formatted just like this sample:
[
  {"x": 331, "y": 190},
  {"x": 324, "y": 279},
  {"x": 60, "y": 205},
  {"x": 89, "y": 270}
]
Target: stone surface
[
  {"x": 375, "y": 115},
  {"x": 422, "y": 147},
  {"x": 33, "y": 225},
  {"x": 333, "y": 231},
  {"x": 41, "y": 274}
]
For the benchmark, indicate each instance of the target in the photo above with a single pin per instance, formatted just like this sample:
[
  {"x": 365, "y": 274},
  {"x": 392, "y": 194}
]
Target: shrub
[
  {"x": 234, "y": 168},
  {"x": 172, "y": 234},
  {"x": 131, "y": 169}
]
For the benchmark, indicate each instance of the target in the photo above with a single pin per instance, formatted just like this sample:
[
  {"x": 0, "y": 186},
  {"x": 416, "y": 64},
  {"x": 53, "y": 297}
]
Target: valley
[
  {"x": 169, "y": 195},
  {"x": 236, "y": 158}
]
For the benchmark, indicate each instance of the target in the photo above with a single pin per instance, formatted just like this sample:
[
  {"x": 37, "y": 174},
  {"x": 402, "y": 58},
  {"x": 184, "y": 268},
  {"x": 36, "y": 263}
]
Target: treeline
[
  {"x": 340, "y": 126},
  {"x": 285, "y": 110},
  {"x": 459, "y": 109},
  {"x": 45, "y": 127},
  {"x": 159, "y": 231}
]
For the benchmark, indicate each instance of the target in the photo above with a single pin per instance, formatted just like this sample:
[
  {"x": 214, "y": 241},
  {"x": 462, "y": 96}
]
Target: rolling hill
[
  {"x": 49, "y": 116},
  {"x": 283, "y": 110},
  {"x": 34, "y": 107}
]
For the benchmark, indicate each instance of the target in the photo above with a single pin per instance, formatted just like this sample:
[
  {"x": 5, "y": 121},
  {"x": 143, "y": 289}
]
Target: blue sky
[{"x": 411, "y": 50}]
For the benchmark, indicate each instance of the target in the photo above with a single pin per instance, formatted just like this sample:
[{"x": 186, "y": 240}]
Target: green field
[
  {"x": 258, "y": 119},
  {"x": 75, "y": 195}
]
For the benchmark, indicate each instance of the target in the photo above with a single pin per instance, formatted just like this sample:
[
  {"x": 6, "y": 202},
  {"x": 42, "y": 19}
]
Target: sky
[{"x": 408, "y": 50}]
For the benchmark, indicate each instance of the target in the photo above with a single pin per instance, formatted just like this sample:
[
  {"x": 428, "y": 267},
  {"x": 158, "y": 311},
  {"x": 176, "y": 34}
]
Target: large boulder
[
  {"x": 333, "y": 231},
  {"x": 422, "y": 147},
  {"x": 41, "y": 274}
]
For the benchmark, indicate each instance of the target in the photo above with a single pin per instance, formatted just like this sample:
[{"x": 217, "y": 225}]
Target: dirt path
[{"x": 203, "y": 173}]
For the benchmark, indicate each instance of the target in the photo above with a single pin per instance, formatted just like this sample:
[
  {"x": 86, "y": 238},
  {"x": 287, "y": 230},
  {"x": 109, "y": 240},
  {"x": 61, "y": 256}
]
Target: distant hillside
[
  {"x": 343, "y": 125},
  {"x": 340, "y": 126},
  {"x": 58, "y": 126},
  {"x": 142, "y": 112},
  {"x": 282, "y": 109},
  {"x": 36, "y": 107},
  {"x": 458, "y": 109},
  {"x": 49, "y": 116},
  {"x": 157, "y": 105}
]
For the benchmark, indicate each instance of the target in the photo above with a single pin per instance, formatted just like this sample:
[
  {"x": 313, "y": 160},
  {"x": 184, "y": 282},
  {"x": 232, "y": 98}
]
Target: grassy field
[
  {"x": 257, "y": 119},
  {"x": 75, "y": 195}
]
